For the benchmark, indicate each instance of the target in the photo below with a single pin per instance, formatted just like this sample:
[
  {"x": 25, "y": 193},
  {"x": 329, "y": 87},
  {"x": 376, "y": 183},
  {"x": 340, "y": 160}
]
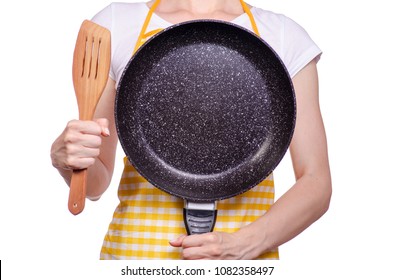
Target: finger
[
  {"x": 76, "y": 163},
  {"x": 85, "y": 127},
  {"x": 86, "y": 153},
  {"x": 90, "y": 141},
  {"x": 104, "y": 124},
  {"x": 178, "y": 241},
  {"x": 76, "y": 152},
  {"x": 199, "y": 253},
  {"x": 78, "y": 140},
  {"x": 198, "y": 240},
  {"x": 193, "y": 253}
]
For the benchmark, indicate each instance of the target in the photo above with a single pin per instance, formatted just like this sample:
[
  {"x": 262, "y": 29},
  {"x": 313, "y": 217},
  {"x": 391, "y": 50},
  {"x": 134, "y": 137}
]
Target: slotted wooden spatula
[{"x": 90, "y": 71}]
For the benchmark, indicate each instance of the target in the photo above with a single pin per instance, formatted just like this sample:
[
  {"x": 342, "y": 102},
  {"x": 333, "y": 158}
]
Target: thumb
[
  {"x": 178, "y": 241},
  {"x": 104, "y": 124}
]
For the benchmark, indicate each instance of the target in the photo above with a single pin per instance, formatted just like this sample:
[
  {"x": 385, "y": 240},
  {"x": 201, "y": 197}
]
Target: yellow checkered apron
[{"x": 147, "y": 218}]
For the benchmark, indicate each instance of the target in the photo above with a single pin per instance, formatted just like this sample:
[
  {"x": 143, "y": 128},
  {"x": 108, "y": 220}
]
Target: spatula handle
[{"x": 76, "y": 199}]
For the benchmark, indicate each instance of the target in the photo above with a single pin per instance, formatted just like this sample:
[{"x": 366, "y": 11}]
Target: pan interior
[{"x": 205, "y": 110}]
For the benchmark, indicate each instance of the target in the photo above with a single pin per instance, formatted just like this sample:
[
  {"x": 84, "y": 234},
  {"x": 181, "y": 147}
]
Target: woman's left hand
[{"x": 212, "y": 246}]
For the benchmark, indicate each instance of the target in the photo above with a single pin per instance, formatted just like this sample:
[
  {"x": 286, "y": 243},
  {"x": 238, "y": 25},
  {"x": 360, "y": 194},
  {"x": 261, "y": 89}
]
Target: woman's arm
[
  {"x": 81, "y": 145},
  {"x": 299, "y": 207},
  {"x": 309, "y": 198}
]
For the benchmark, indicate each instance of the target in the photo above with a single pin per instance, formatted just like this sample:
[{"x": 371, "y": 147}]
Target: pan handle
[{"x": 199, "y": 217}]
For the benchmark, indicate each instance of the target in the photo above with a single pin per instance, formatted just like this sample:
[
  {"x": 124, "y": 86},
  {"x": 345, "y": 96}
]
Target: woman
[{"x": 140, "y": 227}]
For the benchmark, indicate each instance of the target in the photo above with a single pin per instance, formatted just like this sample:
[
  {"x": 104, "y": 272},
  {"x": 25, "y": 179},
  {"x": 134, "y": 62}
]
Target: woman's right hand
[{"x": 79, "y": 144}]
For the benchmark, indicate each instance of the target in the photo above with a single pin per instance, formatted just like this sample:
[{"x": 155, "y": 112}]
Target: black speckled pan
[{"x": 205, "y": 110}]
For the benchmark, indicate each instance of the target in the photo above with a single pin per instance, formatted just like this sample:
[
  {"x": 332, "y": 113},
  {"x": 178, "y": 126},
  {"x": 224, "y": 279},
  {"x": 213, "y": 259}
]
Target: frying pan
[{"x": 205, "y": 110}]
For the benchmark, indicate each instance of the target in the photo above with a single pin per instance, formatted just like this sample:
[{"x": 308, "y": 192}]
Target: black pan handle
[{"x": 199, "y": 217}]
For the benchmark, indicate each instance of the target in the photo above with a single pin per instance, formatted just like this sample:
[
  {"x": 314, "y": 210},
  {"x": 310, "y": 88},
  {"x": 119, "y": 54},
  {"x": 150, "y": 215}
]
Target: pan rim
[{"x": 170, "y": 190}]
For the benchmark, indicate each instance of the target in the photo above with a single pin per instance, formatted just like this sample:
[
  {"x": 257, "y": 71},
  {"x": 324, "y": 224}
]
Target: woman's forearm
[
  {"x": 309, "y": 198},
  {"x": 297, "y": 209}
]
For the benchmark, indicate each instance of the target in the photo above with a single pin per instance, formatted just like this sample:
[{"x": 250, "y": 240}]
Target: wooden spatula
[{"x": 90, "y": 71}]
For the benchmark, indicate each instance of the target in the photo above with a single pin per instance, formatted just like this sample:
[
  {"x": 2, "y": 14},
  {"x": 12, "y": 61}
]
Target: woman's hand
[
  {"x": 213, "y": 246},
  {"x": 79, "y": 144},
  {"x": 87, "y": 144}
]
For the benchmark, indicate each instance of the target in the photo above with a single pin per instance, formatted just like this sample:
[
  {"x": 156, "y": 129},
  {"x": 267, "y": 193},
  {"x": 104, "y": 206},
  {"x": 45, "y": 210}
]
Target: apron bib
[{"x": 147, "y": 218}]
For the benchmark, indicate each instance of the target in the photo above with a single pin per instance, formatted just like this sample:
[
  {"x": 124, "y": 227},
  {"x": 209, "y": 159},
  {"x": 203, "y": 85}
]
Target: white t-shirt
[{"x": 290, "y": 41}]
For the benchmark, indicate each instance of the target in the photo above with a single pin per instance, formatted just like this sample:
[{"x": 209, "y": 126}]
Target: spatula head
[{"x": 90, "y": 68}]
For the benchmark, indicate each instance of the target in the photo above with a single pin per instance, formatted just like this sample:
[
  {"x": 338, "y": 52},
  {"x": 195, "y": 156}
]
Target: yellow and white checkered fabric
[{"x": 147, "y": 218}]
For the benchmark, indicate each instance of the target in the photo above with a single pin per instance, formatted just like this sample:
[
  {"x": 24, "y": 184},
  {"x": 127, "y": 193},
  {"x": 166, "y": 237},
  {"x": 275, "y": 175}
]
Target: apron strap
[
  {"x": 143, "y": 35},
  {"x": 251, "y": 17}
]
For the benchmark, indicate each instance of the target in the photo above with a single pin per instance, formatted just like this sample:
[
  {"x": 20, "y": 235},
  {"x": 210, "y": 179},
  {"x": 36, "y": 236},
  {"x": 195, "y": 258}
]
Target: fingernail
[
  {"x": 174, "y": 240},
  {"x": 106, "y": 131}
]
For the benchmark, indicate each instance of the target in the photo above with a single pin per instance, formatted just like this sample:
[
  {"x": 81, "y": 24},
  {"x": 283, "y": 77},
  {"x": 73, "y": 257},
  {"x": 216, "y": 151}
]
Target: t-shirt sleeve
[
  {"x": 104, "y": 18},
  {"x": 298, "y": 47}
]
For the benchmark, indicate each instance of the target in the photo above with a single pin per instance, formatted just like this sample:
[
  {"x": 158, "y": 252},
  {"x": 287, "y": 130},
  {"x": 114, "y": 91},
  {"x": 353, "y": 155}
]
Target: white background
[{"x": 40, "y": 238}]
